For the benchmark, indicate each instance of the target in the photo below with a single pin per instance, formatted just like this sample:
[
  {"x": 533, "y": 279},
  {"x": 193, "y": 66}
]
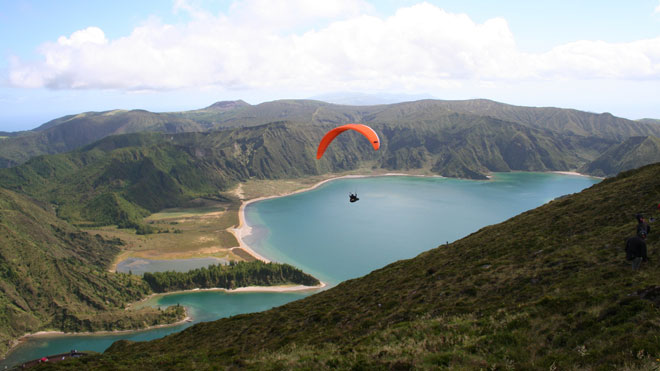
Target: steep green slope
[
  {"x": 53, "y": 277},
  {"x": 70, "y": 132},
  {"x": 121, "y": 179},
  {"x": 631, "y": 154},
  {"x": 475, "y": 147},
  {"x": 548, "y": 289},
  {"x": 137, "y": 175}
]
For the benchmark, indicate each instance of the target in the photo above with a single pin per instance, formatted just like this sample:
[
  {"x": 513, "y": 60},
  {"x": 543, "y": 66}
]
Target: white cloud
[
  {"x": 657, "y": 9},
  {"x": 259, "y": 44}
]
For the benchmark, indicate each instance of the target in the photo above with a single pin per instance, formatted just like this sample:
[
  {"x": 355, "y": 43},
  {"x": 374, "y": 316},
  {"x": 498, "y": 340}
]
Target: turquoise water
[
  {"x": 202, "y": 306},
  {"x": 322, "y": 233},
  {"x": 396, "y": 218}
]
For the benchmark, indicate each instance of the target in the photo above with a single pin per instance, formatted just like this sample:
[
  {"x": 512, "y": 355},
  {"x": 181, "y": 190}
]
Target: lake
[{"x": 321, "y": 232}]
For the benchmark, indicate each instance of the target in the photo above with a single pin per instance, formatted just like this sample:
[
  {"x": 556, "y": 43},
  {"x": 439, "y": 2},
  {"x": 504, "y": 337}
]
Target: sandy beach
[{"x": 280, "y": 288}]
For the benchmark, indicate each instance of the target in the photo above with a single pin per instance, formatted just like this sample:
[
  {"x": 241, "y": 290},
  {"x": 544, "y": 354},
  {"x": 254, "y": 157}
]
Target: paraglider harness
[{"x": 352, "y": 197}]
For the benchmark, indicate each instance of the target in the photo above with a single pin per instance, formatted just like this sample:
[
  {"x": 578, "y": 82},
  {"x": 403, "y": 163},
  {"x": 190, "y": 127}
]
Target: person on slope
[{"x": 636, "y": 251}]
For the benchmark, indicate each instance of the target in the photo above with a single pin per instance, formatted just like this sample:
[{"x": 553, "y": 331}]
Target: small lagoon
[{"x": 140, "y": 265}]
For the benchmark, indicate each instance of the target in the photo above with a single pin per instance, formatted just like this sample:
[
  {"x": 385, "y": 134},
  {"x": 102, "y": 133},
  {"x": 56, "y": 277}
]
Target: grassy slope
[
  {"x": 53, "y": 276},
  {"x": 548, "y": 288},
  {"x": 630, "y": 154}
]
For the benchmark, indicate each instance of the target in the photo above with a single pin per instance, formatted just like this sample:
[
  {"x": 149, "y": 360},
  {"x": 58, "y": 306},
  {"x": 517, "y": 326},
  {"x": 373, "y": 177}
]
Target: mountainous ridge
[
  {"x": 71, "y": 132},
  {"x": 120, "y": 179},
  {"x": 630, "y": 154},
  {"x": 549, "y": 288},
  {"x": 603, "y": 125}
]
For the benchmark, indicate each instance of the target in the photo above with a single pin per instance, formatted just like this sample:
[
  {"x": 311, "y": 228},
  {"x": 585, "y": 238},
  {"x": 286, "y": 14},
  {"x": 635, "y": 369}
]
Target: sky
[{"x": 70, "y": 56}]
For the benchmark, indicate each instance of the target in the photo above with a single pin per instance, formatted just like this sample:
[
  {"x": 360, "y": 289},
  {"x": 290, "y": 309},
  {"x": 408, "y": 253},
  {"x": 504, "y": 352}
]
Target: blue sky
[{"x": 72, "y": 56}]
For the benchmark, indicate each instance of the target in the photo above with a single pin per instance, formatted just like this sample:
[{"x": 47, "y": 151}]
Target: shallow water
[{"x": 322, "y": 233}]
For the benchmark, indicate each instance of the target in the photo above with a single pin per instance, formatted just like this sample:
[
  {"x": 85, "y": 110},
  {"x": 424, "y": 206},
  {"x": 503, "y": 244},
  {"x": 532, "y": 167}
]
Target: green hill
[
  {"x": 548, "y": 289},
  {"x": 120, "y": 179},
  {"x": 596, "y": 132},
  {"x": 54, "y": 277},
  {"x": 70, "y": 132},
  {"x": 631, "y": 154}
]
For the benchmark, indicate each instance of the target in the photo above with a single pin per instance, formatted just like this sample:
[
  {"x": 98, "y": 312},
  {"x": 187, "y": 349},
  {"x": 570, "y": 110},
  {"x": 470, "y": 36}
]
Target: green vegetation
[
  {"x": 200, "y": 229},
  {"x": 548, "y": 289},
  {"x": 54, "y": 277},
  {"x": 241, "y": 274},
  {"x": 631, "y": 154},
  {"x": 120, "y": 185},
  {"x": 70, "y": 132},
  {"x": 121, "y": 179},
  {"x": 439, "y": 136}
]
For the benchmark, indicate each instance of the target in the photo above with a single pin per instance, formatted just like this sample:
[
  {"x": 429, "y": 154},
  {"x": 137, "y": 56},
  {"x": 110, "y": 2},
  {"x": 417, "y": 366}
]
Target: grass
[
  {"x": 546, "y": 290},
  {"x": 54, "y": 277},
  {"x": 182, "y": 233}
]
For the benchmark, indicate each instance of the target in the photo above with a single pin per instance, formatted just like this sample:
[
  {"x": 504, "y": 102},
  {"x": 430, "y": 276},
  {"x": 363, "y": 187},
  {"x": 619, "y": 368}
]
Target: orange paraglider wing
[{"x": 332, "y": 134}]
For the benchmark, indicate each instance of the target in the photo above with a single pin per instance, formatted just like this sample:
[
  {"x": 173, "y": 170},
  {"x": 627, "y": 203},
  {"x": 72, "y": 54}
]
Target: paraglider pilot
[{"x": 352, "y": 197}]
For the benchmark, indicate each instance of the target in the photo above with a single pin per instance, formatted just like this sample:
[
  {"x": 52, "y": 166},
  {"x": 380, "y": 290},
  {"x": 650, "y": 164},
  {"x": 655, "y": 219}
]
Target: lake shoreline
[
  {"x": 243, "y": 233},
  {"x": 279, "y": 288},
  {"x": 18, "y": 341},
  {"x": 243, "y": 229}
]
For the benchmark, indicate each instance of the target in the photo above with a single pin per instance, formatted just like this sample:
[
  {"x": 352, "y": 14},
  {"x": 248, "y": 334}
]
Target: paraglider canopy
[{"x": 365, "y": 130}]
